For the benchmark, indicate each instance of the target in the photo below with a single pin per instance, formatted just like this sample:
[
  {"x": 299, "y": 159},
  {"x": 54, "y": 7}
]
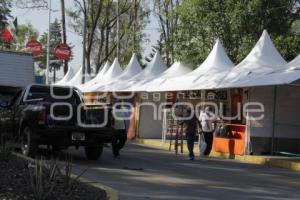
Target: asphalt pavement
[{"x": 146, "y": 173}]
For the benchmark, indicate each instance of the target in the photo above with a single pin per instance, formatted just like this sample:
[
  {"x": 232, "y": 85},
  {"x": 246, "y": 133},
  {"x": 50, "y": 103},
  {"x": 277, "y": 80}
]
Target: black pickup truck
[{"x": 57, "y": 117}]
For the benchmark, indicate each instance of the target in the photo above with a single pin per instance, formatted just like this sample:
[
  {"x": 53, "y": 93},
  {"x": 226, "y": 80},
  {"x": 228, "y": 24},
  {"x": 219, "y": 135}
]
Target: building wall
[
  {"x": 263, "y": 127},
  {"x": 16, "y": 69},
  {"x": 149, "y": 127},
  {"x": 287, "y": 120}
]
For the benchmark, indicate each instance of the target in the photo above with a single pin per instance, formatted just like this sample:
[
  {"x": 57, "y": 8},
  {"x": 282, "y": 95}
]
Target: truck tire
[
  {"x": 29, "y": 145},
  {"x": 94, "y": 152}
]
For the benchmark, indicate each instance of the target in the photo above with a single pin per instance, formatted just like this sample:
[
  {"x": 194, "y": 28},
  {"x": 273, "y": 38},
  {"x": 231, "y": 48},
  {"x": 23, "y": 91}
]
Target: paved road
[{"x": 145, "y": 173}]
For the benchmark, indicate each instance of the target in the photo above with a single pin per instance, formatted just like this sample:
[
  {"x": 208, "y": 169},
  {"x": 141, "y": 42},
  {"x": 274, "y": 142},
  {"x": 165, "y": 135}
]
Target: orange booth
[{"x": 234, "y": 142}]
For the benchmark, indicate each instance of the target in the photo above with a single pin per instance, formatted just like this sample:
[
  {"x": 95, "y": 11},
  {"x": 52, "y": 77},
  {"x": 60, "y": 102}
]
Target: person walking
[
  {"x": 208, "y": 125},
  {"x": 121, "y": 115},
  {"x": 191, "y": 128}
]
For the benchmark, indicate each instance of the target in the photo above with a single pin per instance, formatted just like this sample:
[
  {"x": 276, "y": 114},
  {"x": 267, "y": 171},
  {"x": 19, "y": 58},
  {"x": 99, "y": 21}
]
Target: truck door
[
  {"x": 17, "y": 109},
  {"x": 7, "y": 116}
]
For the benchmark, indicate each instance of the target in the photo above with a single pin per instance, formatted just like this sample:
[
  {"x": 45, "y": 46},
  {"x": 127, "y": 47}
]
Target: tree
[
  {"x": 5, "y": 16},
  {"x": 100, "y": 17},
  {"x": 55, "y": 39},
  {"x": 25, "y": 33},
  {"x": 168, "y": 22},
  {"x": 32, "y": 4},
  {"x": 238, "y": 24}
]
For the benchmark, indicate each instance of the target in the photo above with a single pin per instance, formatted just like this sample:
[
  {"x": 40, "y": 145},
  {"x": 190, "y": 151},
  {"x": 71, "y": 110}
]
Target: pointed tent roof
[
  {"x": 263, "y": 58},
  {"x": 98, "y": 77},
  {"x": 113, "y": 72},
  {"x": 69, "y": 75},
  {"x": 153, "y": 70},
  {"x": 294, "y": 64},
  {"x": 287, "y": 75},
  {"x": 218, "y": 66},
  {"x": 76, "y": 80},
  {"x": 131, "y": 70},
  {"x": 176, "y": 70},
  {"x": 217, "y": 62}
]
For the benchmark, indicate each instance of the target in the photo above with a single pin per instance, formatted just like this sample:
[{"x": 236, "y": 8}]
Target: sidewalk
[{"x": 291, "y": 163}]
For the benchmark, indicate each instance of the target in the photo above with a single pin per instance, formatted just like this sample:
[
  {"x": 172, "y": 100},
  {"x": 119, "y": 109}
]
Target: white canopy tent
[
  {"x": 176, "y": 70},
  {"x": 289, "y": 74},
  {"x": 113, "y": 72},
  {"x": 77, "y": 79},
  {"x": 131, "y": 70},
  {"x": 216, "y": 63},
  {"x": 263, "y": 59},
  {"x": 153, "y": 70},
  {"x": 69, "y": 75},
  {"x": 97, "y": 78}
]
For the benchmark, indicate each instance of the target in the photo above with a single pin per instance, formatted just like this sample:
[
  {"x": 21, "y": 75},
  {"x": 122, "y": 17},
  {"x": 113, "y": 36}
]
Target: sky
[{"x": 39, "y": 19}]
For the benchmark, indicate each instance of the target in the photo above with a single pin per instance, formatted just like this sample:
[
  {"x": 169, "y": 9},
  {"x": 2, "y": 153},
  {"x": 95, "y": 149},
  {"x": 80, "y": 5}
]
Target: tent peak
[
  {"x": 69, "y": 75},
  {"x": 264, "y": 52},
  {"x": 133, "y": 66},
  {"x": 217, "y": 58}
]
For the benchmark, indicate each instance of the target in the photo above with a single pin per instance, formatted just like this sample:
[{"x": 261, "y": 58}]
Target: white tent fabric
[
  {"x": 289, "y": 74},
  {"x": 219, "y": 66},
  {"x": 97, "y": 78},
  {"x": 131, "y": 70},
  {"x": 77, "y": 79},
  {"x": 153, "y": 70},
  {"x": 263, "y": 59},
  {"x": 216, "y": 63},
  {"x": 294, "y": 64},
  {"x": 113, "y": 72},
  {"x": 69, "y": 75},
  {"x": 176, "y": 70}
]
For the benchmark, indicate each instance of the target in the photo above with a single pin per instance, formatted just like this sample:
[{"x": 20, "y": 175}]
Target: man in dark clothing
[
  {"x": 121, "y": 126},
  {"x": 191, "y": 128},
  {"x": 119, "y": 141}
]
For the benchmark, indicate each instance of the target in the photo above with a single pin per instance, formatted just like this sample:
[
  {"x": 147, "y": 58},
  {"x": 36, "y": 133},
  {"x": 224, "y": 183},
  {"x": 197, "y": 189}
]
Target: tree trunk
[
  {"x": 54, "y": 74},
  {"x": 64, "y": 34},
  {"x": 84, "y": 49},
  {"x": 107, "y": 42}
]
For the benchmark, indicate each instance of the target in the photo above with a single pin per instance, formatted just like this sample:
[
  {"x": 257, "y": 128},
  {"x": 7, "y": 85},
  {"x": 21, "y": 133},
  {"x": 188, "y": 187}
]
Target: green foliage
[
  {"x": 25, "y": 33},
  {"x": 55, "y": 39},
  {"x": 238, "y": 23},
  {"x": 101, "y": 40},
  {"x": 5, "y": 11},
  {"x": 5, "y": 16}
]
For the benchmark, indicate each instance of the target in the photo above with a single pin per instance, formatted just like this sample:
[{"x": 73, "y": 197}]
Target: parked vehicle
[{"x": 55, "y": 116}]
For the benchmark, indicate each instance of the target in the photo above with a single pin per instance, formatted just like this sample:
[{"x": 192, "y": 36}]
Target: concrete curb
[
  {"x": 112, "y": 194},
  {"x": 251, "y": 159}
]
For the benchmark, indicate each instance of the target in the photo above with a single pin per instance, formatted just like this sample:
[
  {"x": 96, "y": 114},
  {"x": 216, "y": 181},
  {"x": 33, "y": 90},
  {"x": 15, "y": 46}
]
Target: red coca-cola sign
[
  {"x": 35, "y": 47},
  {"x": 63, "y": 52}
]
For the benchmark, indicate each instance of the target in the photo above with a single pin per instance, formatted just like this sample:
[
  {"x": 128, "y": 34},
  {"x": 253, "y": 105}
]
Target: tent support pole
[{"x": 274, "y": 120}]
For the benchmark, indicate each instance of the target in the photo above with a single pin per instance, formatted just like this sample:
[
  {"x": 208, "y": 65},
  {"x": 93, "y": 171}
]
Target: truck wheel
[
  {"x": 93, "y": 152},
  {"x": 29, "y": 144}
]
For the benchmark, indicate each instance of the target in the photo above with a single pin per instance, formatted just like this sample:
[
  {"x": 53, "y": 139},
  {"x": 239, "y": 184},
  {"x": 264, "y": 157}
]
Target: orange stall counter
[{"x": 235, "y": 141}]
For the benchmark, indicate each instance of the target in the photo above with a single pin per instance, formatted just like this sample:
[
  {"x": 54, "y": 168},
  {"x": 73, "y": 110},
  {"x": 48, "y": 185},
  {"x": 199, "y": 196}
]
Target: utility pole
[
  {"x": 118, "y": 27},
  {"x": 64, "y": 34},
  {"x": 48, "y": 44},
  {"x": 83, "y": 47}
]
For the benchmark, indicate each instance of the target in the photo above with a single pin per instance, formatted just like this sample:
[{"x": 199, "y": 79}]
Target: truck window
[{"x": 43, "y": 93}]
